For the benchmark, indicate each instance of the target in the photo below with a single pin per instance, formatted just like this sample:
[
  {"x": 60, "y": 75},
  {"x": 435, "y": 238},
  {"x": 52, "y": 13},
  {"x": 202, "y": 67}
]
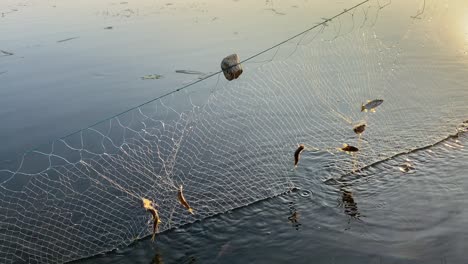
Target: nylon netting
[{"x": 232, "y": 143}]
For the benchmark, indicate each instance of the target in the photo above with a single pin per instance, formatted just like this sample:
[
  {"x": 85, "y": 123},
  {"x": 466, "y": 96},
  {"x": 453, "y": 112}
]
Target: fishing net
[{"x": 230, "y": 144}]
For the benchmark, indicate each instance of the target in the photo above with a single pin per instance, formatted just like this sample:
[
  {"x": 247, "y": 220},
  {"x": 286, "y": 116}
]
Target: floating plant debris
[
  {"x": 190, "y": 72},
  {"x": 151, "y": 77},
  {"x": 7, "y": 53},
  {"x": 68, "y": 39}
]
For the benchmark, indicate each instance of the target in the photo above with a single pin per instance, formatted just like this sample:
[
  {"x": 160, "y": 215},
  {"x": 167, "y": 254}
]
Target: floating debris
[
  {"x": 148, "y": 205},
  {"x": 360, "y": 128},
  {"x": 348, "y": 148},
  {"x": 8, "y": 12},
  {"x": 68, "y": 39},
  {"x": 297, "y": 154},
  {"x": 180, "y": 196},
  {"x": 190, "y": 72},
  {"x": 110, "y": 27},
  {"x": 371, "y": 105},
  {"x": 7, "y": 53},
  {"x": 151, "y": 77},
  {"x": 275, "y": 11},
  {"x": 231, "y": 67}
]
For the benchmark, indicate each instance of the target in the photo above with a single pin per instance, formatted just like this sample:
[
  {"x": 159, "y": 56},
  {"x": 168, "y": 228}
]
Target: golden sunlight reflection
[{"x": 465, "y": 32}]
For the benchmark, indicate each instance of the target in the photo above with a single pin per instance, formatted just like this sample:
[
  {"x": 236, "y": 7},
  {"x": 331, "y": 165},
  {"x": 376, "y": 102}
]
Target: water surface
[
  {"x": 396, "y": 217},
  {"x": 74, "y": 63}
]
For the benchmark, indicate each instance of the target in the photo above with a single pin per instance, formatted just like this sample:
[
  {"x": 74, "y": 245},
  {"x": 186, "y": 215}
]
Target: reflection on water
[
  {"x": 225, "y": 249},
  {"x": 349, "y": 205},
  {"x": 157, "y": 259},
  {"x": 294, "y": 216}
]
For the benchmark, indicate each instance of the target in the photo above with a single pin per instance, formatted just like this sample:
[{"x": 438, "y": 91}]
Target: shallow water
[{"x": 81, "y": 61}]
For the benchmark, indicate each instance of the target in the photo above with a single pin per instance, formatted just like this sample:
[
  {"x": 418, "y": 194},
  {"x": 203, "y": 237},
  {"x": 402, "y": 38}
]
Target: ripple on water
[{"x": 305, "y": 193}]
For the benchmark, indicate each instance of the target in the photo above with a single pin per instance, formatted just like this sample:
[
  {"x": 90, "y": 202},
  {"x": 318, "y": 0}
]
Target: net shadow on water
[{"x": 229, "y": 144}]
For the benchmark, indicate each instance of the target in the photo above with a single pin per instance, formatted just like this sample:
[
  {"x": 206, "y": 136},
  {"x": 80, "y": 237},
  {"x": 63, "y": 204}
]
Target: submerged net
[{"x": 231, "y": 143}]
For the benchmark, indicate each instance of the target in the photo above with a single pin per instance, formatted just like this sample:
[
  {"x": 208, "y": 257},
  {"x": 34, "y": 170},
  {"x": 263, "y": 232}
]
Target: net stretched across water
[{"x": 230, "y": 144}]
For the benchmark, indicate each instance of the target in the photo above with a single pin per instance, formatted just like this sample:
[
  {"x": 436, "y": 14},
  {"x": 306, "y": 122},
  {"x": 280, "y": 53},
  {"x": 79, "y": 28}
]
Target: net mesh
[{"x": 231, "y": 143}]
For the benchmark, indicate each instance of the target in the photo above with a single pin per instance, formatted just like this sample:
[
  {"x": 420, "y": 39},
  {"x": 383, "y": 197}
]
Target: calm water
[
  {"x": 74, "y": 63},
  {"x": 52, "y": 88}
]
